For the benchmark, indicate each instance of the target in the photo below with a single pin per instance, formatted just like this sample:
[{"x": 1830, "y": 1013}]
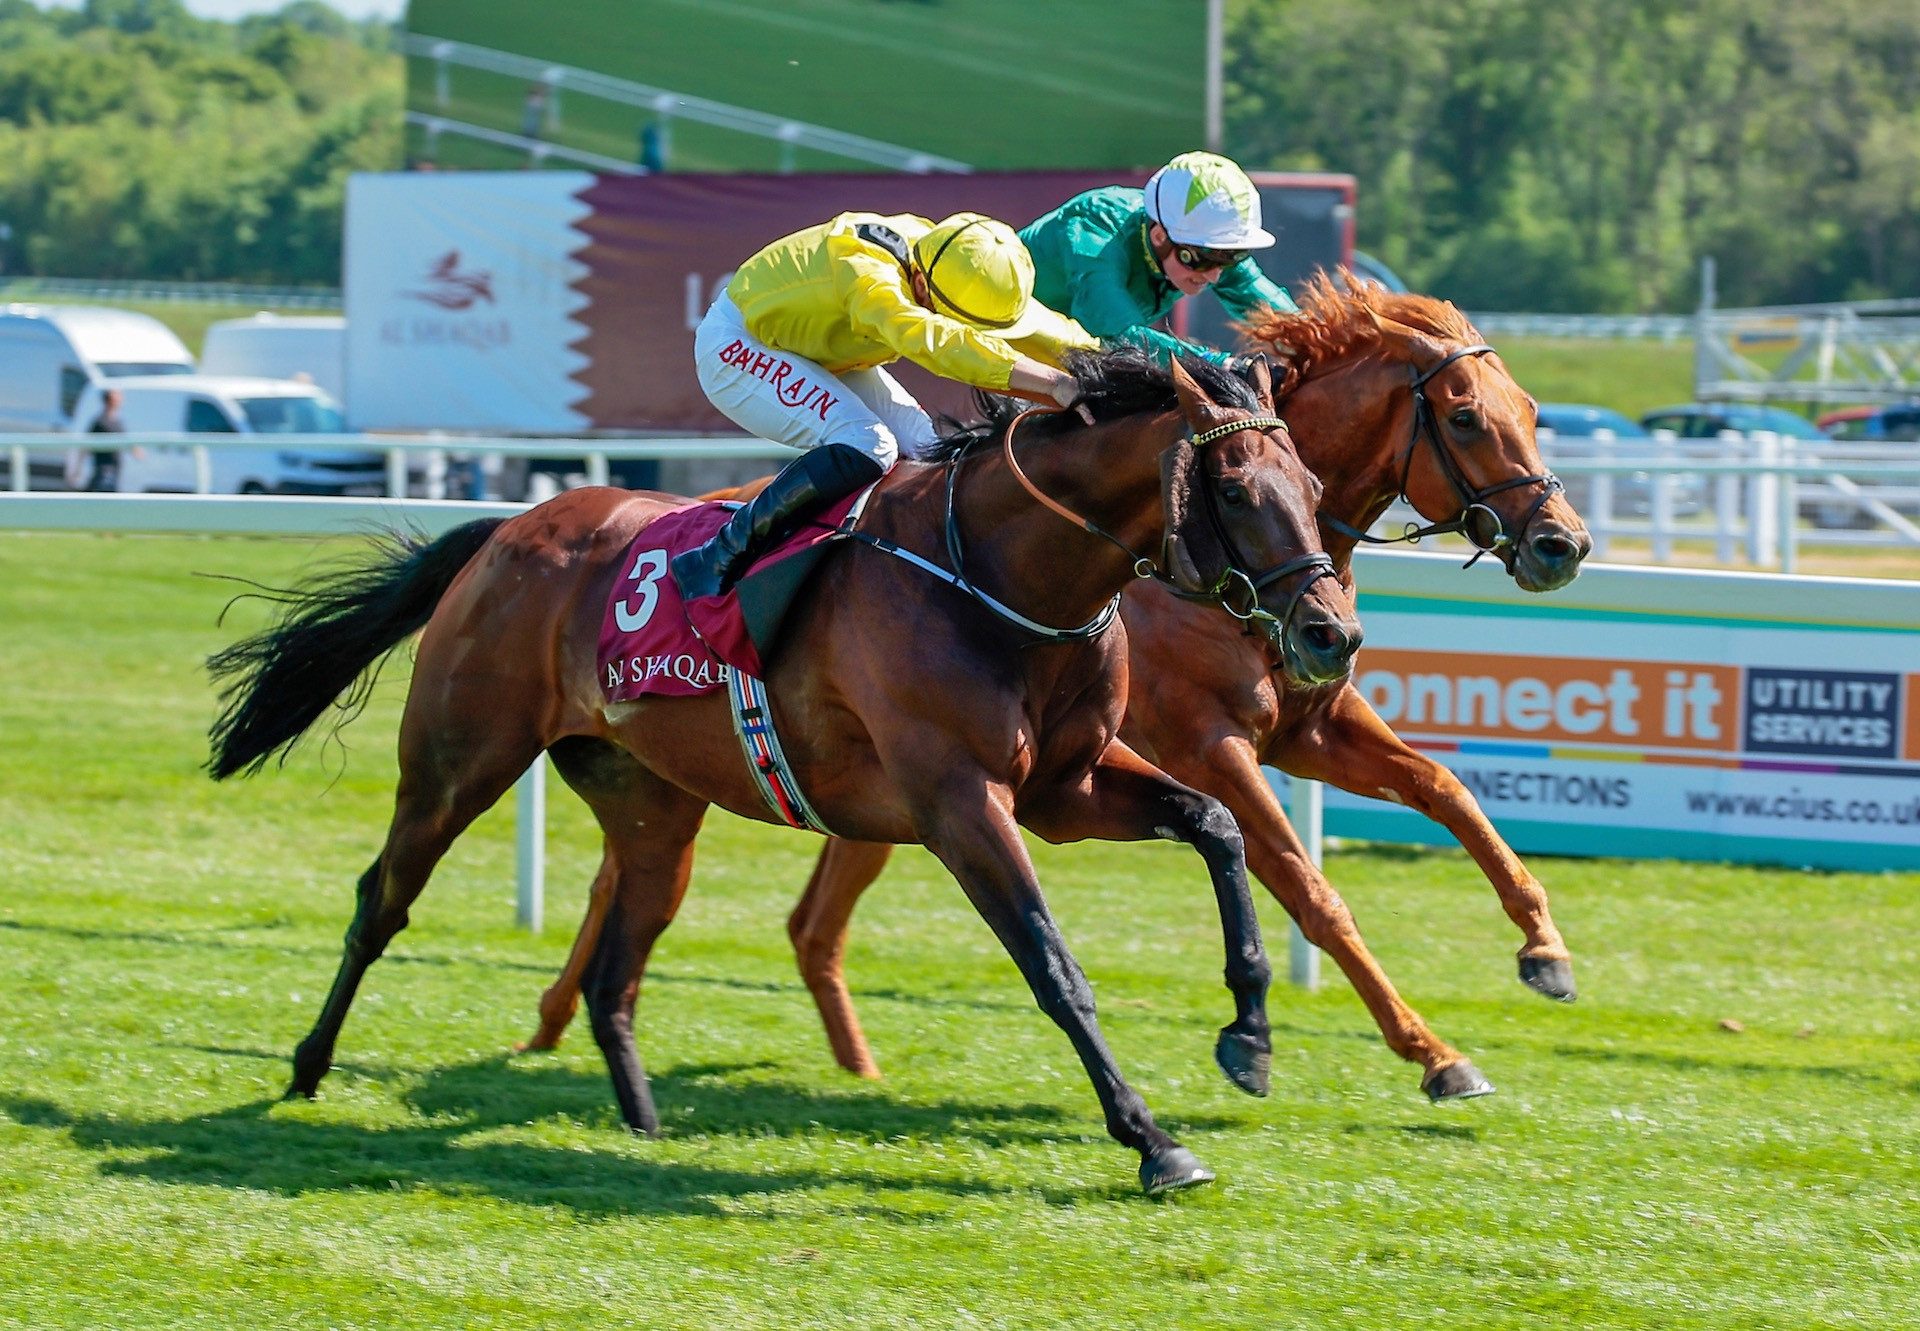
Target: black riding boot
[{"x": 804, "y": 486}]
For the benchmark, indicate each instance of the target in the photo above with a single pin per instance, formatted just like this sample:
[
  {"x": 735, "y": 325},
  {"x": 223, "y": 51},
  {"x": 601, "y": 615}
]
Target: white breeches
[{"x": 790, "y": 400}]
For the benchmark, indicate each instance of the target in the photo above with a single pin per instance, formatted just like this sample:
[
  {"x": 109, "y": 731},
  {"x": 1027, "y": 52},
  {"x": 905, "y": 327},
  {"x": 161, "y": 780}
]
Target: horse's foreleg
[
  {"x": 1354, "y": 749},
  {"x": 818, "y": 928},
  {"x": 970, "y": 827},
  {"x": 1126, "y": 798},
  {"x": 1231, "y": 770},
  {"x": 562, "y": 998}
]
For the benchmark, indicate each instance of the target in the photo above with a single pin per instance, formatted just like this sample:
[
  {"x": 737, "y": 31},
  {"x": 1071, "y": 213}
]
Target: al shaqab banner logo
[
  {"x": 454, "y": 292},
  {"x": 450, "y": 289}
]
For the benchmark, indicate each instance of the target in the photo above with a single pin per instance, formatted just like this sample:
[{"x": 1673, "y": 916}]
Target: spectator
[
  {"x": 653, "y": 147},
  {"x": 106, "y": 461},
  {"x": 533, "y": 112}
]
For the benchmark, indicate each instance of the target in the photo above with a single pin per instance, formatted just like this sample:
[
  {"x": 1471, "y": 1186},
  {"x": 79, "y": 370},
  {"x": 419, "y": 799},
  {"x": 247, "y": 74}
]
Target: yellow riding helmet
[{"x": 977, "y": 271}]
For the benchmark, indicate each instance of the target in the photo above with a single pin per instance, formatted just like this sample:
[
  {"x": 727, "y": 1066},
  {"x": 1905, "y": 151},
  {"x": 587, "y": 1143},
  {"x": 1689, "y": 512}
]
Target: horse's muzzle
[
  {"x": 1318, "y": 646},
  {"x": 1550, "y": 555}
]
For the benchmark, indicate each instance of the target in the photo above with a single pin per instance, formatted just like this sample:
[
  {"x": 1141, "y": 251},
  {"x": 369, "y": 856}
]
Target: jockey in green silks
[{"x": 1116, "y": 260}]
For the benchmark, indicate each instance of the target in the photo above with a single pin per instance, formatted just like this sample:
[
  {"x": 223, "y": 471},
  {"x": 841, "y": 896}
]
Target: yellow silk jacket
[{"x": 846, "y": 303}]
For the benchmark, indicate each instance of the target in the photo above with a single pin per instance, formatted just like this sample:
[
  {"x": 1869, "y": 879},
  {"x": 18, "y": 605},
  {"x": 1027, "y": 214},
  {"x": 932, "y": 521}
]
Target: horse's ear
[
  {"x": 1417, "y": 347},
  {"x": 1260, "y": 375},
  {"x": 1200, "y": 410}
]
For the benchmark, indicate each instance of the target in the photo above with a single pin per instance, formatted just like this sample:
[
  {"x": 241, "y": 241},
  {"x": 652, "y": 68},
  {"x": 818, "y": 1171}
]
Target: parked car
[
  {"x": 281, "y": 346},
  {"x": 1633, "y": 493},
  {"x": 50, "y": 355},
  {"x": 1698, "y": 420},
  {"x": 1865, "y": 425},
  {"x": 209, "y": 404}
]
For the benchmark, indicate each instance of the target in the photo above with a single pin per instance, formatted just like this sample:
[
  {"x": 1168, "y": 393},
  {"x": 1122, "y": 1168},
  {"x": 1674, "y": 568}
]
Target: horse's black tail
[{"x": 276, "y": 684}]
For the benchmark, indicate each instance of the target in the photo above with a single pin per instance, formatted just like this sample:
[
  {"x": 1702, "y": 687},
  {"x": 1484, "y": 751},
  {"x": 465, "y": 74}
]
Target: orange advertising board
[{"x": 1567, "y": 700}]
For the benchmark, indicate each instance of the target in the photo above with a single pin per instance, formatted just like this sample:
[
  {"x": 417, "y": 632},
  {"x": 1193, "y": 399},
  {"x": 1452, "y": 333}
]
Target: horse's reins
[
  {"x": 1316, "y": 565},
  {"x": 1235, "y": 578},
  {"x": 1472, "y": 501}
]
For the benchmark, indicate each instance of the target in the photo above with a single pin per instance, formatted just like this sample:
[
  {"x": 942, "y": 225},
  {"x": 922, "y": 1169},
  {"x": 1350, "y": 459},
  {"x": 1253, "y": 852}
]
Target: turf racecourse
[{"x": 164, "y": 942}]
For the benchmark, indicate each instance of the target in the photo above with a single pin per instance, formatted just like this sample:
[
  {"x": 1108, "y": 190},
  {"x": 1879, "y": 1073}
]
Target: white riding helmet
[{"x": 1203, "y": 199}]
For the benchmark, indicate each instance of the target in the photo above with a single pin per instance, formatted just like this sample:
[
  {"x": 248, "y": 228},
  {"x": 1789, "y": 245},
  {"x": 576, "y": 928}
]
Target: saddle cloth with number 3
[{"x": 654, "y": 643}]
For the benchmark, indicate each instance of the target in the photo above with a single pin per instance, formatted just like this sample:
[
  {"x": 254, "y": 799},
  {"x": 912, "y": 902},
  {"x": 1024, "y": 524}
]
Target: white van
[
  {"x": 281, "y": 346},
  {"x": 208, "y": 404},
  {"x": 50, "y": 354}
]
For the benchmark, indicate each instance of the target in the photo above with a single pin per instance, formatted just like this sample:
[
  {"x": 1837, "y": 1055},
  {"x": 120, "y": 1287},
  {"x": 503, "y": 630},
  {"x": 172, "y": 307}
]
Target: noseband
[
  {"x": 1469, "y": 521},
  {"x": 1236, "y": 583}
]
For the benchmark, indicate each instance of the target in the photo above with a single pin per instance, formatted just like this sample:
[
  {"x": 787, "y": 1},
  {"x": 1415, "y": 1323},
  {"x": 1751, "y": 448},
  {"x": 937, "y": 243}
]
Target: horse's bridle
[
  {"x": 1236, "y": 580},
  {"x": 1469, "y": 522}
]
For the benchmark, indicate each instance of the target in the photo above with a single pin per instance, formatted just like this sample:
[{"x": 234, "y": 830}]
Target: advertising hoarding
[
  {"x": 560, "y": 302},
  {"x": 1652, "y": 712}
]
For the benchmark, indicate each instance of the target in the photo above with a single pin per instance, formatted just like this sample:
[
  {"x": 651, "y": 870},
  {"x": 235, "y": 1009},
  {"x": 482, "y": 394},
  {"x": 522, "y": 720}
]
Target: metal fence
[
  {"x": 1756, "y": 497},
  {"x": 663, "y": 104},
  {"x": 1760, "y": 496}
]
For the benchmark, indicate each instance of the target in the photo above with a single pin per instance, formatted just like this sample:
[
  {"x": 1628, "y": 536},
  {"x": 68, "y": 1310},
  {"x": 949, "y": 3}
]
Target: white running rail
[{"x": 788, "y": 132}]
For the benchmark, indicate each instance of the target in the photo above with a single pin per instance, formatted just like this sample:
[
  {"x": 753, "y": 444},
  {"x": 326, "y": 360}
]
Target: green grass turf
[
  {"x": 167, "y": 941},
  {"x": 998, "y": 84}
]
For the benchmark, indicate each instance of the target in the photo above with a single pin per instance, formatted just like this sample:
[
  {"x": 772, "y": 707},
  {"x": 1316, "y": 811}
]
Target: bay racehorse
[
  {"x": 912, "y": 711},
  {"x": 1387, "y": 396}
]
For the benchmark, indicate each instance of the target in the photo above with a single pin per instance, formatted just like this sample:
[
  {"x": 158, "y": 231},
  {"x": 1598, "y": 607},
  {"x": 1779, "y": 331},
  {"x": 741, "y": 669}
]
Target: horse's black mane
[{"x": 1125, "y": 381}]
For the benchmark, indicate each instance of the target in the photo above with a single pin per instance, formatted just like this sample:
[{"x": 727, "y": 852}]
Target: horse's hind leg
[
  {"x": 446, "y": 781},
  {"x": 650, "y": 828},
  {"x": 818, "y": 928},
  {"x": 562, "y": 998}
]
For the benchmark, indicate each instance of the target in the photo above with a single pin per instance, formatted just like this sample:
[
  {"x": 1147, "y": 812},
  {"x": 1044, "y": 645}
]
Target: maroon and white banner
[{"x": 555, "y": 302}]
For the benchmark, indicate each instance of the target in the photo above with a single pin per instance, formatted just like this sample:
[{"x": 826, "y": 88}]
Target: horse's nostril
[
  {"x": 1324, "y": 638},
  {"x": 1331, "y": 640},
  {"x": 1555, "y": 549}
]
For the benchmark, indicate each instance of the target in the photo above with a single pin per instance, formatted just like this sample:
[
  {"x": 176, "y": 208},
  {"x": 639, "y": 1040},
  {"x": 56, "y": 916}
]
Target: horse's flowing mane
[
  {"x": 1125, "y": 381},
  {"x": 1336, "y": 325}
]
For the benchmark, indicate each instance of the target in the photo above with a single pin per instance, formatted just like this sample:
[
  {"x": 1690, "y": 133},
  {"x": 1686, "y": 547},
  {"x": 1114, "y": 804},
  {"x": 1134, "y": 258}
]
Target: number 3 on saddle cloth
[{"x": 654, "y": 643}]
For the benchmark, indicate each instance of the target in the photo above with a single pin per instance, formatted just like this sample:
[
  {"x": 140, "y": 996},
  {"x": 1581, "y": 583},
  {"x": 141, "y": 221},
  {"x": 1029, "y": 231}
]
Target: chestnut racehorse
[
  {"x": 912, "y": 711},
  {"x": 1386, "y": 395}
]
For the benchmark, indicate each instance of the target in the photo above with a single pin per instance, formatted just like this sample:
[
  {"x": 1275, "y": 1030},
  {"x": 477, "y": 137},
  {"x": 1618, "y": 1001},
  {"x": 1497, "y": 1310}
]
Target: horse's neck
[
  {"x": 1029, "y": 556},
  {"x": 1347, "y": 422}
]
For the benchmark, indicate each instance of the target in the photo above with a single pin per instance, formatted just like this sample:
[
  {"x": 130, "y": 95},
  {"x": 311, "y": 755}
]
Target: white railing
[
  {"x": 434, "y": 449},
  {"x": 537, "y": 150},
  {"x": 1749, "y": 496},
  {"x": 1746, "y": 494},
  {"x": 1606, "y": 327},
  {"x": 665, "y": 104}
]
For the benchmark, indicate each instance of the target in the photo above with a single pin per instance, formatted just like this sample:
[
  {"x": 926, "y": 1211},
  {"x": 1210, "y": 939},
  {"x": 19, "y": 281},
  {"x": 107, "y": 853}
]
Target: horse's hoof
[
  {"x": 541, "y": 1043},
  {"x": 298, "y": 1092},
  {"x": 1246, "y": 1064},
  {"x": 1550, "y": 976},
  {"x": 1172, "y": 1168},
  {"x": 1456, "y": 1081}
]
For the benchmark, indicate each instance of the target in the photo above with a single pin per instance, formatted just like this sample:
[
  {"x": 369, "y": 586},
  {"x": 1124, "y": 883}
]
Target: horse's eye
[
  {"x": 1464, "y": 419},
  {"x": 1233, "y": 494}
]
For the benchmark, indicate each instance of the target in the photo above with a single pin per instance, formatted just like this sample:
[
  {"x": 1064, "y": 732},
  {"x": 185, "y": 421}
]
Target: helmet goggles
[{"x": 1202, "y": 259}]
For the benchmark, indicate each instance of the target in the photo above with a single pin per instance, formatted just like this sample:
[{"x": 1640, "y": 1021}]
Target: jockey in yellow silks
[{"x": 793, "y": 350}]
